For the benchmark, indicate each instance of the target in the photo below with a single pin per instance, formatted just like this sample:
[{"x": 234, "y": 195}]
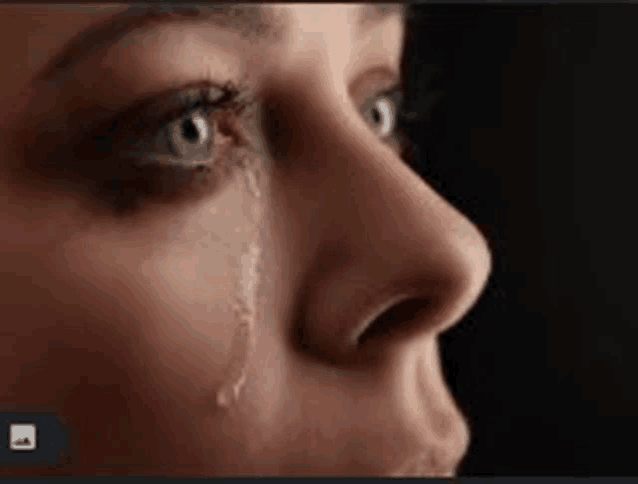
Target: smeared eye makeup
[
  {"x": 167, "y": 147},
  {"x": 159, "y": 149}
]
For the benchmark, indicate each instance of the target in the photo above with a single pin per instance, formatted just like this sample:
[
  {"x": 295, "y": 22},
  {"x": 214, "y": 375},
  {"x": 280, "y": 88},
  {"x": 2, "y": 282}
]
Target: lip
[{"x": 423, "y": 465}]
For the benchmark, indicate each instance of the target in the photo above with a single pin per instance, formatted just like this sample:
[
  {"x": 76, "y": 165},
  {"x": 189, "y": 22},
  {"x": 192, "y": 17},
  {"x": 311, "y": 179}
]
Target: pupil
[
  {"x": 376, "y": 115},
  {"x": 189, "y": 131}
]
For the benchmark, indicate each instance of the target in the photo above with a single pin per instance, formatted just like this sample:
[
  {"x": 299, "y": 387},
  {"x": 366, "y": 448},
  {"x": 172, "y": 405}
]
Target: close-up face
[{"x": 214, "y": 259}]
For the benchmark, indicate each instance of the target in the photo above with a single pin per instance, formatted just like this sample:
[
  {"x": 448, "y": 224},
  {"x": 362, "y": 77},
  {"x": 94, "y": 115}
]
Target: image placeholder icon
[{"x": 22, "y": 436}]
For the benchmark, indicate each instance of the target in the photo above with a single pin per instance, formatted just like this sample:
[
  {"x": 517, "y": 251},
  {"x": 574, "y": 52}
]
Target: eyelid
[
  {"x": 175, "y": 102},
  {"x": 101, "y": 162},
  {"x": 158, "y": 112},
  {"x": 394, "y": 92},
  {"x": 372, "y": 81}
]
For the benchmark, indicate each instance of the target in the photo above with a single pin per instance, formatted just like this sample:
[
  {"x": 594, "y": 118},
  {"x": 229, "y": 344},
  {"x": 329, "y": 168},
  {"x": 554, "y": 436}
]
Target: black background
[{"x": 535, "y": 138}]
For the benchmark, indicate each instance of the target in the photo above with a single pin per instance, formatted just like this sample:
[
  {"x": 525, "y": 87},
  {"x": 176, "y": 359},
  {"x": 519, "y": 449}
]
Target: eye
[
  {"x": 160, "y": 150},
  {"x": 381, "y": 117},
  {"x": 382, "y": 112},
  {"x": 186, "y": 141},
  {"x": 190, "y": 138}
]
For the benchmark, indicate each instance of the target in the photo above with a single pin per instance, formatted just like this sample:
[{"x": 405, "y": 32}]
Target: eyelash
[
  {"x": 133, "y": 173},
  {"x": 91, "y": 163},
  {"x": 227, "y": 105}
]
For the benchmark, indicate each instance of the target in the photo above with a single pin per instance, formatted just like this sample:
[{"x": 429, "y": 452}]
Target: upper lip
[{"x": 424, "y": 464}]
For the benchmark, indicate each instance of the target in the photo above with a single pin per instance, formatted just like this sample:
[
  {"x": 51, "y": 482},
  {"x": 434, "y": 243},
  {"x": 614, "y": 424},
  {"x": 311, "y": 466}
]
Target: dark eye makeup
[
  {"x": 144, "y": 154},
  {"x": 119, "y": 162}
]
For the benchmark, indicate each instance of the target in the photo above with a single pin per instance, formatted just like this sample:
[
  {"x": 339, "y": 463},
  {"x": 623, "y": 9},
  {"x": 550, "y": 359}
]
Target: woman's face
[{"x": 186, "y": 271}]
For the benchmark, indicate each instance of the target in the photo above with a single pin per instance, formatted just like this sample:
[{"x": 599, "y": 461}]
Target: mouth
[{"x": 423, "y": 463}]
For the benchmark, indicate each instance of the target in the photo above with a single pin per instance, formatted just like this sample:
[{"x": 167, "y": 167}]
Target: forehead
[
  {"x": 38, "y": 33},
  {"x": 45, "y": 28},
  {"x": 59, "y": 21}
]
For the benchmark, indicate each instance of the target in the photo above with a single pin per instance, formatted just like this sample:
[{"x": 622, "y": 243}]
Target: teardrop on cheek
[
  {"x": 244, "y": 339},
  {"x": 236, "y": 370}
]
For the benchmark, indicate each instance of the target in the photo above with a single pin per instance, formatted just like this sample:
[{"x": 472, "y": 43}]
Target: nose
[
  {"x": 376, "y": 264},
  {"x": 387, "y": 261}
]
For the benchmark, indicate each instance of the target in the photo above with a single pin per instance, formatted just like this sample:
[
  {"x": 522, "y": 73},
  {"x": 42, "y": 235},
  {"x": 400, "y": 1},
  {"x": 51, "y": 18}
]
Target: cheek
[
  {"x": 195, "y": 289},
  {"x": 207, "y": 272},
  {"x": 198, "y": 286}
]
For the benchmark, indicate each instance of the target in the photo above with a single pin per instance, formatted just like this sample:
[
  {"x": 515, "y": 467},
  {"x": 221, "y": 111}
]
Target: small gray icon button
[{"x": 22, "y": 436}]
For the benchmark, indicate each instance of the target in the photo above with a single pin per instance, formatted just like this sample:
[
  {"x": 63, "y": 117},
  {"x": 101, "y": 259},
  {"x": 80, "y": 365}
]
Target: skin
[{"x": 128, "y": 328}]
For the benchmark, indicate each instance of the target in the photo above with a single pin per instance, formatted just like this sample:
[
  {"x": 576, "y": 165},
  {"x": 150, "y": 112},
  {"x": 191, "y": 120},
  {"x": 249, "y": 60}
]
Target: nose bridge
[
  {"x": 379, "y": 231},
  {"x": 369, "y": 195}
]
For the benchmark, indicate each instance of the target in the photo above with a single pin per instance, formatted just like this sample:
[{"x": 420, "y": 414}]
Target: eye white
[{"x": 383, "y": 116}]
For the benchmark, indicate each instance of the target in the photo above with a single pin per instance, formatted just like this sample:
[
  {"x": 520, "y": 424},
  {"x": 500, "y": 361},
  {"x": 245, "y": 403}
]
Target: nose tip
[
  {"x": 353, "y": 320},
  {"x": 472, "y": 268}
]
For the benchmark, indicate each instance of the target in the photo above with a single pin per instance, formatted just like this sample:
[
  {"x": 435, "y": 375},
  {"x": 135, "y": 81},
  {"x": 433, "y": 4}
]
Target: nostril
[{"x": 399, "y": 321}]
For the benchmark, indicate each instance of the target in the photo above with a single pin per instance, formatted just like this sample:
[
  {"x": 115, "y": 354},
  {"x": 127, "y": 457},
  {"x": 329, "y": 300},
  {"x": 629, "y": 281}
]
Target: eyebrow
[{"x": 250, "y": 21}]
